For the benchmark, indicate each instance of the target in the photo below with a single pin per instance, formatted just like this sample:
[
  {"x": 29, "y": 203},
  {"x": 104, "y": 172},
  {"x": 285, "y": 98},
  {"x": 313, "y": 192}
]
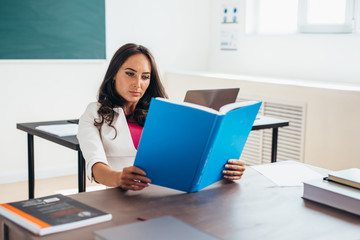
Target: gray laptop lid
[{"x": 213, "y": 98}]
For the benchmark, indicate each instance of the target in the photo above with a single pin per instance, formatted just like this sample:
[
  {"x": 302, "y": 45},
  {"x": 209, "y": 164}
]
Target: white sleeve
[{"x": 89, "y": 139}]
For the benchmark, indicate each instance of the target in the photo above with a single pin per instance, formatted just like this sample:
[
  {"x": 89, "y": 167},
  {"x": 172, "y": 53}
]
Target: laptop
[{"x": 212, "y": 98}]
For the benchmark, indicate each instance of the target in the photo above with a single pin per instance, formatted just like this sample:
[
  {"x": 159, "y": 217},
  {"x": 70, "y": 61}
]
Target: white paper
[
  {"x": 61, "y": 130},
  {"x": 287, "y": 174}
]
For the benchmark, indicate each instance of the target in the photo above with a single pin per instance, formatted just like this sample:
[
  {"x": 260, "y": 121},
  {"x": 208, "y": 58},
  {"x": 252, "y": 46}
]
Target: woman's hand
[
  {"x": 133, "y": 178},
  {"x": 234, "y": 169}
]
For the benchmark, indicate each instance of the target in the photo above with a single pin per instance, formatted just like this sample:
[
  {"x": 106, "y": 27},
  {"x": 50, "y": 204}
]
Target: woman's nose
[{"x": 137, "y": 81}]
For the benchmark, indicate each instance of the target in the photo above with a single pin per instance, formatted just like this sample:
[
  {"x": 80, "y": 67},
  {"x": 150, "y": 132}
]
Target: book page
[
  {"x": 192, "y": 105},
  {"x": 228, "y": 107},
  {"x": 223, "y": 110}
]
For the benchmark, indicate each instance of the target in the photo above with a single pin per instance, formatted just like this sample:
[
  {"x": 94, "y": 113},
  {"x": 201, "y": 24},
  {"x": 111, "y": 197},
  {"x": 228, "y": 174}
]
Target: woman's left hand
[{"x": 234, "y": 169}]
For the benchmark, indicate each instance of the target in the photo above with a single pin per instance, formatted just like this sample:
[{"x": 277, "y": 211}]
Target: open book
[{"x": 185, "y": 146}]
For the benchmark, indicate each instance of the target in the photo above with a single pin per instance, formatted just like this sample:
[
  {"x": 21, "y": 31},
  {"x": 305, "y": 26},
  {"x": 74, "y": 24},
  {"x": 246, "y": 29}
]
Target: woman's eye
[
  {"x": 145, "y": 77},
  {"x": 129, "y": 73}
]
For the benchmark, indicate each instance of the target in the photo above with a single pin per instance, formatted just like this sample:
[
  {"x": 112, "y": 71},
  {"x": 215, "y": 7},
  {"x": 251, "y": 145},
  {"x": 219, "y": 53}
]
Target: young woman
[{"x": 110, "y": 129}]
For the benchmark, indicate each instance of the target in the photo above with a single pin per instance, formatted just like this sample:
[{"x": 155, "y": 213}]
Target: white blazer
[{"x": 117, "y": 153}]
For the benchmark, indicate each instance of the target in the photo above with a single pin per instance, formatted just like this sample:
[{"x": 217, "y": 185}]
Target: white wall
[
  {"x": 319, "y": 57},
  {"x": 175, "y": 31},
  {"x": 315, "y": 60}
]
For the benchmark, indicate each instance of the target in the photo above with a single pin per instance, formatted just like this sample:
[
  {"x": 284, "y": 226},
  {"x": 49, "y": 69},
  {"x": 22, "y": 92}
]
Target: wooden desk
[
  {"x": 251, "y": 208},
  {"x": 71, "y": 142}
]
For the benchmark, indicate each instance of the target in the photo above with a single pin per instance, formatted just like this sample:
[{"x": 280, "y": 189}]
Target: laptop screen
[{"x": 213, "y": 98}]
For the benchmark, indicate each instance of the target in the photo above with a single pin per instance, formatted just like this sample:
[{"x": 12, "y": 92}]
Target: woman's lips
[{"x": 135, "y": 93}]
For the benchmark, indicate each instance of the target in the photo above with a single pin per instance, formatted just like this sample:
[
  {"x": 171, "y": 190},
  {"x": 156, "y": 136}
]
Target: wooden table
[{"x": 251, "y": 208}]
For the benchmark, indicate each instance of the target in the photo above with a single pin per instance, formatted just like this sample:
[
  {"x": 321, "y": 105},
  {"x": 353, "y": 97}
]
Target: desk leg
[
  {"x": 81, "y": 172},
  {"x": 274, "y": 144},
  {"x": 31, "y": 174}
]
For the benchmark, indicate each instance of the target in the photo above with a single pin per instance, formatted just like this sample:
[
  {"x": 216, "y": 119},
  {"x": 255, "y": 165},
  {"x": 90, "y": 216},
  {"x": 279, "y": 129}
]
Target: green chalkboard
[{"x": 52, "y": 29}]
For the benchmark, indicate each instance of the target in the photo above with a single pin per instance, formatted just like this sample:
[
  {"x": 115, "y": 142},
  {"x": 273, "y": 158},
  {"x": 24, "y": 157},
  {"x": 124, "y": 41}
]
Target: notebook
[{"x": 213, "y": 98}]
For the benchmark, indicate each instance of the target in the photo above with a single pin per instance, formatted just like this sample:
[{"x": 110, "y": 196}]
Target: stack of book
[{"x": 340, "y": 189}]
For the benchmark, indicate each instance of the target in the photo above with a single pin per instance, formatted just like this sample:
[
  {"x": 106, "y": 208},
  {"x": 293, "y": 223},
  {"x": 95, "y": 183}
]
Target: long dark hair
[{"x": 108, "y": 96}]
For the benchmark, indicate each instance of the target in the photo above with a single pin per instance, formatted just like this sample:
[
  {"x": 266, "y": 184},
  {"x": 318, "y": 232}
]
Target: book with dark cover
[
  {"x": 52, "y": 214},
  {"x": 185, "y": 146}
]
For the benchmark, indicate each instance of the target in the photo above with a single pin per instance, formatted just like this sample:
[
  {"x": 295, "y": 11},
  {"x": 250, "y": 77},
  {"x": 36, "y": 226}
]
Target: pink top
[{"x": 135, "y": 131}]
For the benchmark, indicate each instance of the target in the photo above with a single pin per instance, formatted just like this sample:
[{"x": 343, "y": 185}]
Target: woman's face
[{"x": 133, "y": 78}]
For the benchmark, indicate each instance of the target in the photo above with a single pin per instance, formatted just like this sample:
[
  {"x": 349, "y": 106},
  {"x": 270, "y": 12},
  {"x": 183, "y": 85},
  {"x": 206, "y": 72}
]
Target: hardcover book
[
  {"x": 52, "y": 214},
  {"x": 185, "y": 146},
  {"x": 333, "y": 194}
]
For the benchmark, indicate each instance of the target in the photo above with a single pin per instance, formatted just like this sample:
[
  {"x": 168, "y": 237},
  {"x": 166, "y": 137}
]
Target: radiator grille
[{"x": 290, "y": 139}]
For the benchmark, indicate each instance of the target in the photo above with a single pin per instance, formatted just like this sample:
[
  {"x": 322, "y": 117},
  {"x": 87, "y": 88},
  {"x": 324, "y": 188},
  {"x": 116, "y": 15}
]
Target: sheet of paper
[
  {"x": 287, "y": 174},
  {"x": 61, "y": 130}
]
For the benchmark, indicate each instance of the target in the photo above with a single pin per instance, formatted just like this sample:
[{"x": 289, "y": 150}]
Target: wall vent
[{"x": 257, "y": 149}]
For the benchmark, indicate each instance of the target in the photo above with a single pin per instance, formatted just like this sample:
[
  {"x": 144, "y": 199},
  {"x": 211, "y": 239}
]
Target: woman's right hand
[{"x": 133, "y": 178}]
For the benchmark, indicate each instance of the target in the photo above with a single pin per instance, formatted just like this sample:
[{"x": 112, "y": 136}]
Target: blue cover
[
  {"x": 228, "y": 143},
  {"x": 175, "y": 140}
]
